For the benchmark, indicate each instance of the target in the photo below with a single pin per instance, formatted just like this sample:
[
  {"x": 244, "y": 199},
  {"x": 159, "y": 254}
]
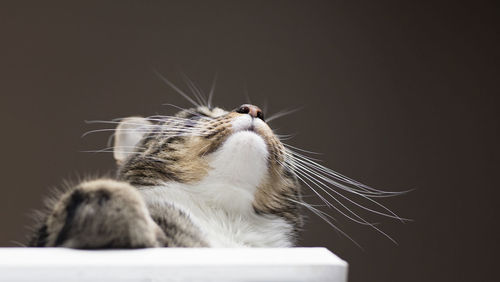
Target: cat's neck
[{"x": 223, "y": 213}]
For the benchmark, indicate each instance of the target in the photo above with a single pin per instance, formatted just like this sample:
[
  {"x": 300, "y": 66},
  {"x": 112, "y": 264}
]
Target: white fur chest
[{"x": 219, "y": 227}]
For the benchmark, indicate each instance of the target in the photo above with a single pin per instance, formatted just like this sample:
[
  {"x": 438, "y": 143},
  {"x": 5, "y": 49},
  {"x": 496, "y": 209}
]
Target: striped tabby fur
[{"x": 154, "y": 200}]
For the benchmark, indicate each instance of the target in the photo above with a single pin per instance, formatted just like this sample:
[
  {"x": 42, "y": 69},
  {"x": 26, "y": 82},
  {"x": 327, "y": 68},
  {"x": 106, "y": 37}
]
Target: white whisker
[
  {"x": 281, "y": 114},
  {"x": 187, "y": 110},
  {"x": 211, "y": 93},
  {"x": 302, "y": 150},
  {"x": 349, "y": 189},
  {"x": 363, "y": 221},
  {"x": 324, "y": 218},
  {"x": 316, "y": 176},
  {"x": 186, "y": 96},
  {"x": 310, "y": 162},
  {"x": 194, "y": 89}
]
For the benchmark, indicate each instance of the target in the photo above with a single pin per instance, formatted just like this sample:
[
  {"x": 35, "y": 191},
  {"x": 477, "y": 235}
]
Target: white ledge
[{"x": 171, "y": 264}]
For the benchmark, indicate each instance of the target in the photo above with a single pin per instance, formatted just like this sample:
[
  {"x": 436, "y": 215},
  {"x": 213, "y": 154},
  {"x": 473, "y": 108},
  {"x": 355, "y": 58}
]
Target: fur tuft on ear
[{"x": 128, "y": 133}]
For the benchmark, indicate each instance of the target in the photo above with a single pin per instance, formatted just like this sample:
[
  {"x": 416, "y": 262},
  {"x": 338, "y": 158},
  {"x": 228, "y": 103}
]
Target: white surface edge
[{"x": 171, "y": 264}]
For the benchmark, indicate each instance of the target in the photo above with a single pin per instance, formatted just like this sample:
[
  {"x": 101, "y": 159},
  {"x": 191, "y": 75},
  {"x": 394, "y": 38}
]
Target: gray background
[{"x": 397, "y": 95}]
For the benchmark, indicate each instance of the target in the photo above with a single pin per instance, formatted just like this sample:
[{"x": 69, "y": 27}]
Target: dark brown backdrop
[{"x": 398, "y": 95}]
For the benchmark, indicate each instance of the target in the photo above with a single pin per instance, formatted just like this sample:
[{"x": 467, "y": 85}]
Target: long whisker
[
  {"x": 302, "y": 150},
  {"x": 166, "y": 123},
  {"x": 110, "y": 139},
  {"x": 155, "y": 118},
  {"x": 265, "y": 108},
  {"x": 363, "y": 221},
  {"x": 324, "y": 218},
  {"x": 320, "y": 184},
  {"x": 158, "y": 132},
  {"x": 174, "y": 87},
  {"x": 282, "y": 114},
  {"x": 316, "y": 176},
  {"x": 338, "y": 210},
  {"x": 109, "y": 150},
  {"x": 187, "y": 110},
  {"x": 348, "y": 189},
  {"x": 122, "y": 151},
  {"x": 285, "y": 137},
  {"x": 211, "y": 93},
  {"x": 194, "y": 89},
  {"x": 311, "y": 163},
  {"x": 337, "y": 175},
  {"x": 18, "y": 243},
  {"x": 247, "y": 96}
]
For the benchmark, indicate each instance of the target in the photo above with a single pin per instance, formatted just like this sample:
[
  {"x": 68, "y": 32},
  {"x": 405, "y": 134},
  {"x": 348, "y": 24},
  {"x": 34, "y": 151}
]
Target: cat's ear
[{"x": 128, "y": 133}]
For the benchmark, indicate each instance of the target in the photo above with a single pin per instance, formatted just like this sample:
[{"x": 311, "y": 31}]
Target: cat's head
[
  {"x": 235, "y": 159},
  {"x": 233, "y": 156}
]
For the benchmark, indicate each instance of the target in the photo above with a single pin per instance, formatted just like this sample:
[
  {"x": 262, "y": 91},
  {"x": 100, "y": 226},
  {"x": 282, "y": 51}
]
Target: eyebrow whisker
[
  {"x": 174, "y": 87},
  {"x": 197, "y": 93}
]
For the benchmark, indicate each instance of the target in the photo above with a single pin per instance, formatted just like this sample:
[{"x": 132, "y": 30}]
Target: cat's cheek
[{"x": 261, "y": 125}]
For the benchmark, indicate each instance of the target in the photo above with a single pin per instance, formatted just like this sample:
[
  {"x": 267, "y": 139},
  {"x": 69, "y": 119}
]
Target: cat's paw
[{"x": 102, "y": 214}]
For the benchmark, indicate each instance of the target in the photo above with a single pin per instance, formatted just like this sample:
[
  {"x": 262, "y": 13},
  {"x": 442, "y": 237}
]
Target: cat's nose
[{"x": 252, "y": 110}]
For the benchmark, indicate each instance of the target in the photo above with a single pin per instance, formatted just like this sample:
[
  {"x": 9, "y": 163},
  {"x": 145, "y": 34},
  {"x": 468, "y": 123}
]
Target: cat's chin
[
  {"x": 242, "y": 159},
  {"x": 248, "y": 144}
]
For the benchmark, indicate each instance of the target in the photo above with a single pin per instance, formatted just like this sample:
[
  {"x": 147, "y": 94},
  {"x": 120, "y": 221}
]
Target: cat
[{"x": 205, "y": 177}]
